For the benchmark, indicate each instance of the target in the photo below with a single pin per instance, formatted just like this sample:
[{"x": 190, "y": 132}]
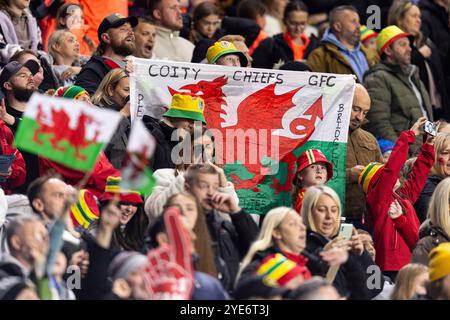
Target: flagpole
[{"x": 82, "y": 183}]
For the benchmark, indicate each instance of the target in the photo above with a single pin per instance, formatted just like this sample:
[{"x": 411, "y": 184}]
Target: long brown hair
[
  {"x": 203, "y": 244},
  {"x": 203, "y": 10},
  {"x": 404, "y": 283}
]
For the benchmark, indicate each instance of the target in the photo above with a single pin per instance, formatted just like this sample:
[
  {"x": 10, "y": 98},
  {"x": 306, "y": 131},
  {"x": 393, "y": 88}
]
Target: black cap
[
  {"x": 257, "y": 286},
  {"x": 14, "y": 66},
  {"x": 115, "y": 20}
]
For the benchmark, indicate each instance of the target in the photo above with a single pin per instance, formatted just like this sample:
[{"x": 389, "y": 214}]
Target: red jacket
[
  {"x": 395, "y": 239},
  {"x": 18, "y": 174},
  {"x": 97, "y": 181}
]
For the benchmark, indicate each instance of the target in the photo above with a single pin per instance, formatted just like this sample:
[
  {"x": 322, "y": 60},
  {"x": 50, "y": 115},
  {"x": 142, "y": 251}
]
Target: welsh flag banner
[
  {"x": 135, "y": 174},
  {"x": 69, "y": 132},
  {"x": 262, "y": 120}
]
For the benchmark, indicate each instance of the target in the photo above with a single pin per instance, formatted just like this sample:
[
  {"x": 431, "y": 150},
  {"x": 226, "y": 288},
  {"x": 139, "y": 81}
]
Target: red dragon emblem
[
  {"x": 61, "y": 130},
  {"x": 261, "y": 110}
]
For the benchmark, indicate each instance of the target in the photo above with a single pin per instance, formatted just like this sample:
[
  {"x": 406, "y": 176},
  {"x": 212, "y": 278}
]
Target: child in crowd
[
  {"x": 386, "y": 147},
  {"x": 313, "y": 169},
  {"x": 390, "y": 204}
]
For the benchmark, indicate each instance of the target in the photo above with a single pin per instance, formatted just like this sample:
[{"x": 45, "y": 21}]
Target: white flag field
[{"x": 261, "y": 119}]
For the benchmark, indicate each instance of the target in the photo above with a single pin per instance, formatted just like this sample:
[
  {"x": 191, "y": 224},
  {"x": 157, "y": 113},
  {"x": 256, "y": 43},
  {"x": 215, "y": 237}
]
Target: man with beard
[
  {"x": 398, "y": 96},
  {"x": 116, "y": 37},
  {"x": 145, "y": 34},
  {"x": 362, "y": 149},
  {"x": 17, "y": 84},
  {"x": 168, "y": 20},
  {"x": 341, "y": 50}
]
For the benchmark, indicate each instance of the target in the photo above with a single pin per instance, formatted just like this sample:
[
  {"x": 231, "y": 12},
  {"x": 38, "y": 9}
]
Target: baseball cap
[
  {"x": 115, "y": 20},
  {"x": 14, "y": 66}
]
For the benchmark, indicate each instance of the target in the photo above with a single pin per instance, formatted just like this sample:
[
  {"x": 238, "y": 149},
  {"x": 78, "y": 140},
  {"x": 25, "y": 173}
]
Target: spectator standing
[
  {"x": 292, "y": 45},
  {"x": 439, "y": 171},
  {"x": 411, "y": 281},
  {"x": 390, "y": 204},
  {"x": 19, "y": 29},
  {"x": 425, "y": 55},
  {"x": 398, "y": 97},
  {"x": 168, "y": 20},
  {"x": 116, "y": 37},
  {"x": 341, "y": 50},
  {"x": 436, "y": 229},
  {"x": 362, "y": 149},
  {"x": 145, "y": 34}
]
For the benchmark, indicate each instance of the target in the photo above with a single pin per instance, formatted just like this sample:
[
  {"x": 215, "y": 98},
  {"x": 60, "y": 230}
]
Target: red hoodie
[
  {"x": 395, "y": 239},
  {"x": 18, "y": 174}
]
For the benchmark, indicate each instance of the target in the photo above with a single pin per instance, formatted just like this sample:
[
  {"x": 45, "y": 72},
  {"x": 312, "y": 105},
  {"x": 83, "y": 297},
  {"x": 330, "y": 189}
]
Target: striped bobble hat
[
  {"x": 370, "y": 175},
  {"x": 310, "y": 157},
  {"x": 85, "y": 210},
  {"x": 279, "y": 270},
  {"x": 113, "y": 187},
  {"x": 70, "y": 92},
  {"x": 366, "y": 33}
]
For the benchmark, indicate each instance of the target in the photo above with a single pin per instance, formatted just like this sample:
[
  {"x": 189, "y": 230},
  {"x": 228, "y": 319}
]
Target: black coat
[
  {"x": 162, "y": 134},
  {"x": 93, "y": 73},
  {"x": 423, "y": 202},
  {"x": 352, "y": 278},
  {"x": 117, "y": 147},
  {"x": 274, "y": 50},
  {"x": 435, "y": 27},
  {"x": 434, "y": 62},
  {"x": 231, "y": 241},
  {"x": 96, "y": 285}
]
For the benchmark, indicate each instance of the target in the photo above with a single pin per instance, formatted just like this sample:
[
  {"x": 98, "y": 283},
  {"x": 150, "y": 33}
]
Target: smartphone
[
  {"x": 345, "y": 230},
  {"x": 430, "y": 128}
]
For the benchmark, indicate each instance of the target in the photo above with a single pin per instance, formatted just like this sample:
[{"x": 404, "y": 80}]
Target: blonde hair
[
  {"x": 102, "y": 97},
  {"x": 438, "y": 212},
  {"x": 56, "y": 38},
  {"x": 404, "y": 283},
  {"x": 265, "y": 238},
  {"x": 397, "y": 12},
  {"x": 312, "y": 195},
  {"x": 441, "y": 142}
]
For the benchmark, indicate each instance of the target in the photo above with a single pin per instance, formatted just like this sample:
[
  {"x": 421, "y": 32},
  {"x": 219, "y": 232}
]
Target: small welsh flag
[
  {"x": 136, "y": 174},
  {"x": 69, "y": 132}
]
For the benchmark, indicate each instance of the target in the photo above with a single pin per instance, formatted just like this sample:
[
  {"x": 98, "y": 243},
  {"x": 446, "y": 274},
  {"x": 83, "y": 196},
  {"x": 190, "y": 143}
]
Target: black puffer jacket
[
  {"x": 274, "y": 50},
  {"x": 162, "y": 133},
  {"x": 423, "y": 202},
  {"x": 231, "y": 241},
  {"x": 436, "y": 27},
  {"x": 93, "y": 73},
  {"x": 352, "y": 278},
  {"x": 436, "y": 67}
]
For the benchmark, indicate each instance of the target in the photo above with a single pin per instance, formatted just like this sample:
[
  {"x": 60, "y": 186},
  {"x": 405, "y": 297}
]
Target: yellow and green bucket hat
[
  {"x": 222, "y": 48},
  {"x": 186, "y": 106}
]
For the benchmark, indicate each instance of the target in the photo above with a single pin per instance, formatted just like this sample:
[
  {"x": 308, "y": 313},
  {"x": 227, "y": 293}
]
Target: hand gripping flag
[
  {"x": 69, "y": 132},
  {"x": 136, "y": 174},
  {"x": 170, "y": 274}
]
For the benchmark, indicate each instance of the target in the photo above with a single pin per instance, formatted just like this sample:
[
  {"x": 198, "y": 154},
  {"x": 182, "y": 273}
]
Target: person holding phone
[
  {"x": 390, "y": 203},
  {"x": 12, "y": 172},
  {"x": 321, "y": 213}
]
